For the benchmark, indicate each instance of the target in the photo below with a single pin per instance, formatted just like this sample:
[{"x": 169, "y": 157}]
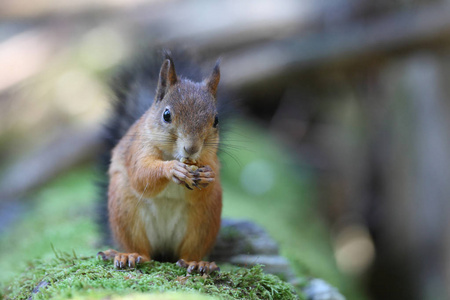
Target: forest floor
[{"x": 62, "y": 214}]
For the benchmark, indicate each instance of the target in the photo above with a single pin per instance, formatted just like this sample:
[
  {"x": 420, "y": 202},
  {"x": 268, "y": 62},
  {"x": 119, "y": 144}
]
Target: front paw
[
  {"x": 203, "y": 176},
  {"x": 191, "y": 176},
  {"x": 181, "y": 173}
]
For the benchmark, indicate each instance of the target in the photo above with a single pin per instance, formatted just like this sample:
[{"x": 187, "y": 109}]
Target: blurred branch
[
  {"x": 354, "y": 43},
  {"x": 289, "y": 37},
  {"x": 66, "y": 151}
]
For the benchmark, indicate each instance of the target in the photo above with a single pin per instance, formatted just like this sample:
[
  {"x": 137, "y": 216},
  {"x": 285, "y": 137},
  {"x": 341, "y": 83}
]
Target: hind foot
[
  {"x": 202, "y": 267},
  {"x": 122, "y": 260}
]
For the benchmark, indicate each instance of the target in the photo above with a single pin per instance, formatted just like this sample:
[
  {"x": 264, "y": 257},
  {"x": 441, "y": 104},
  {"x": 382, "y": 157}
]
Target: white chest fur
[{"x": 165, "y": 219}]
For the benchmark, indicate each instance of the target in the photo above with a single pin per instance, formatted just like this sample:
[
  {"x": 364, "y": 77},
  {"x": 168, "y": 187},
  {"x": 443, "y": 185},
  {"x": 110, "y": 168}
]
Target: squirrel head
[{"x": 183, "y": 119}]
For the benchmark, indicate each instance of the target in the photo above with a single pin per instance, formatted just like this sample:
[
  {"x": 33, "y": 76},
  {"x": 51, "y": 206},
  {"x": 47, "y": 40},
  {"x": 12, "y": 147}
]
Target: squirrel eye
[
  {"x": 216, "y": 121},
  {"x": 167, "y": 116}
]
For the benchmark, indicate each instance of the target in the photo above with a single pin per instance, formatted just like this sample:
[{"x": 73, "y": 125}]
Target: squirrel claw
[
  {"x": 202, "y": 267},
  {"x": 107, "y": 255},
  {"x": 196, "y": 185},
  {"x": 102, "y": 254},
  {"x": 122, "y": 260},
  {"x": 182, "y": 263}
]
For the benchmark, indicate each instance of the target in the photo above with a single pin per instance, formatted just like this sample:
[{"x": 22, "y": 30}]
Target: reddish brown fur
[
  {"x": 204, "y": 219},
  {"x": 140, "y": 167}
]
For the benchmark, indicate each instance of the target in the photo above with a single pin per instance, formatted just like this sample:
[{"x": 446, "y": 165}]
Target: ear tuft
[
  {"x": 167, "y": 54},
  {"x": 167, "y": 77},
  {"x": 212, "y": 82}
]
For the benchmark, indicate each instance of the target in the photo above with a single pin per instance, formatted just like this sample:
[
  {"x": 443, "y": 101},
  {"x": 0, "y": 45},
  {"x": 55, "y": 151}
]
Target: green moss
[
  {"x": 146, "y": 296},
  {"x": 61, "y": 214},
  {"x": 68, "y": 276}
]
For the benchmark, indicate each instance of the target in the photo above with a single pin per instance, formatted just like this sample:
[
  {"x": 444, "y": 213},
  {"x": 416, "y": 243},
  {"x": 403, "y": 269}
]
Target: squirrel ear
[
  {"x": 213, "y": 80},
  {"x": 167, "y": 78}
]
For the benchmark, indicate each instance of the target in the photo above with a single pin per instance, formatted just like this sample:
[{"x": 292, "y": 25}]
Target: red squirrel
[{"x": 164, "y": 191}]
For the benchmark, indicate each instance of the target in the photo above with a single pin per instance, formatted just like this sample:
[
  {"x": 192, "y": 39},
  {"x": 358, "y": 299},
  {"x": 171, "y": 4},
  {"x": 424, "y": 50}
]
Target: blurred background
[{"x": 340, "y": 148}]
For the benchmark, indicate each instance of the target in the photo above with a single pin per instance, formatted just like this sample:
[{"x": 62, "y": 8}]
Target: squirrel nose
[{"x": 191, "y": 150}]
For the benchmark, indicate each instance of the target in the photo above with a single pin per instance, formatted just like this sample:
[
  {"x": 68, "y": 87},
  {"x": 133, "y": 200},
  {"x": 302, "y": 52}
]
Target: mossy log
[{"x": 69, "y": 276}]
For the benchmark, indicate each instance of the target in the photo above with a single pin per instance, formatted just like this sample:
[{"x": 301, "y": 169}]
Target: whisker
[
  {"x": 232, "y": 156},
  {"x": 138, "y": 203}
]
